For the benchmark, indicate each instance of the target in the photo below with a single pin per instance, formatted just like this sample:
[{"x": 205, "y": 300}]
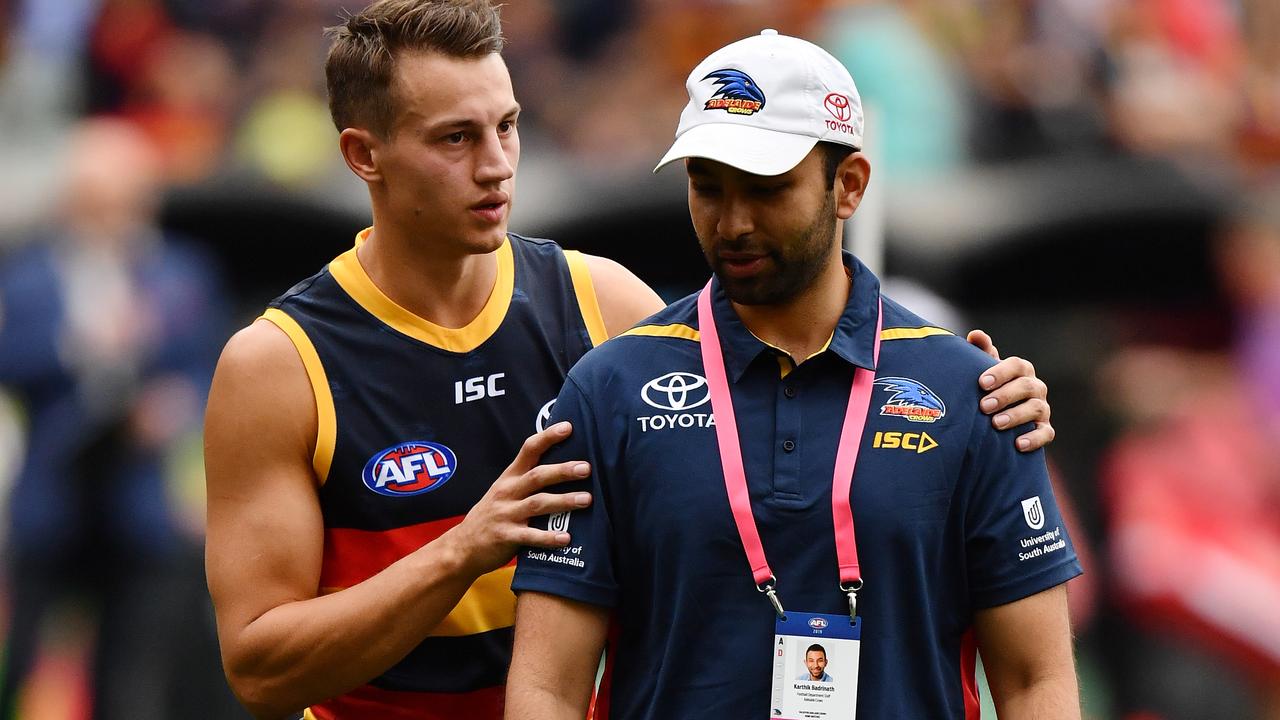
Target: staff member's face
[
  {"x": 447, "y": 167},
  {"x": 816, "y": 661},
  {"x": 767, "y": 237}
]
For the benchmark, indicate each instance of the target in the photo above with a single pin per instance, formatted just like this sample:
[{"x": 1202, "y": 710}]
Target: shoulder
[
  {"x": 624, "y": 298},
  {"x": 905, "y": 330},
  {"x": 666, "y": 339},
  {"x": 261, "y": 389},
  {"x": 262, "y": 352}
]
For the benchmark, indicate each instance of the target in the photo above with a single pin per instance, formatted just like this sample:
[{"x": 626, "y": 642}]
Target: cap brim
[{"x": 750, "y": 149}]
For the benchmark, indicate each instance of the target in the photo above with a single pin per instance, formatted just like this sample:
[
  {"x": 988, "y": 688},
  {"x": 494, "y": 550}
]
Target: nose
[
  {"x": 735, "y": 216},
  {"x": 493, "y": 164}
]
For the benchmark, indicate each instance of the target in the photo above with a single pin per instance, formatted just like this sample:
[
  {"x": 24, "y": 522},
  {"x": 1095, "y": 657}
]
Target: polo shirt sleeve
[
  {"x": 1016, "y": 542},
  {"x": 584, "y": 570}
]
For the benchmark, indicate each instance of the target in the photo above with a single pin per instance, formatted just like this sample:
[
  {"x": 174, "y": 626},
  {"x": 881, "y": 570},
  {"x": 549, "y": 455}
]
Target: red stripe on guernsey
[
  {"x": 352, "y": 556},
  {"x": 371, "y": 703},
  {"x": 968, "y": 679},
  {"x": 600, "y": 702}
]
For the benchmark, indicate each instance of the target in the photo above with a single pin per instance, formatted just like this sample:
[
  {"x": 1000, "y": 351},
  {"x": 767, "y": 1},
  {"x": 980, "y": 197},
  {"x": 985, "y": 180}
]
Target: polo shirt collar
[{"x": 853, "y": 340}]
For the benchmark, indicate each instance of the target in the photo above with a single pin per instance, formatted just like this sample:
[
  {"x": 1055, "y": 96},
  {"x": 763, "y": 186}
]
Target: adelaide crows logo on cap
[
  {"x": 410, "y": 468},
  {"x": 738, "y": 93},
  {"x": 911, "y": 400}
]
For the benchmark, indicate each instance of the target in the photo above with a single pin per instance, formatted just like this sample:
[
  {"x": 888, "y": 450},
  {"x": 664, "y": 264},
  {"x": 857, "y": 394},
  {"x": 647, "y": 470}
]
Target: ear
[
  {"x": 852, "y": 176},
  {"x": 360, "y": 151}
]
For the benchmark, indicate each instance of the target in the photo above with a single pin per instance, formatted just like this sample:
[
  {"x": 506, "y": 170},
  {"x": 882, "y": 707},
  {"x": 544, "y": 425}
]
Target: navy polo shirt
[{"x": 950, "y": 518}]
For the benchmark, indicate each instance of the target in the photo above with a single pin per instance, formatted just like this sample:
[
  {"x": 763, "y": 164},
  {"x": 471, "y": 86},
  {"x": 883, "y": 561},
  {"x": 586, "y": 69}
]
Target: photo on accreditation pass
[{"x": 814, "y": 680}]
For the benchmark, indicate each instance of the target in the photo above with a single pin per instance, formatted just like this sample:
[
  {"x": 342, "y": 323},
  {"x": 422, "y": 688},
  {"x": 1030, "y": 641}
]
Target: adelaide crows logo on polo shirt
[
  {"x": 911, "y": 399},
  {"x": 409, "y": 468},
  {"x": 738, "y": 94}
]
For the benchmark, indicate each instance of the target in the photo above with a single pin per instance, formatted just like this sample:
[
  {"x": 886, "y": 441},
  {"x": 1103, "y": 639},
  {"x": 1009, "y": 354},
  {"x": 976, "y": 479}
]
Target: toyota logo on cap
[
  {"x": 676, "y": 391},
  {"x": 838, "y": 106}
]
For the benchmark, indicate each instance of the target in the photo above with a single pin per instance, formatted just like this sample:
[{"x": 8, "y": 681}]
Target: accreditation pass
[{"x": 815, "y": 667}]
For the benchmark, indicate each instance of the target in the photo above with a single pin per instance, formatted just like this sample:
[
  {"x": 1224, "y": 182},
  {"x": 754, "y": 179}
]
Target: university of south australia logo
[
  {"x": 1033, "y": 512},
  {"x": 410, "y": 468}
]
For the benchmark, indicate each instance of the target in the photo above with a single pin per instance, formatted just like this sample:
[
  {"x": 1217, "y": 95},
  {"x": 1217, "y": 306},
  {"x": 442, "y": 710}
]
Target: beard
[{"x": 795, "y": 265}]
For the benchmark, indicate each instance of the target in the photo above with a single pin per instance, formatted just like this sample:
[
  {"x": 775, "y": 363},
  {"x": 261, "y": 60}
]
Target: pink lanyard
[{"x": 735, "y": 476}]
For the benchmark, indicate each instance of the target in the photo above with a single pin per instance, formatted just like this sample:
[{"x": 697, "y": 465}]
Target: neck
[
  {"x": 448, "y": 289},
  {"x": 802, "y": 325}
]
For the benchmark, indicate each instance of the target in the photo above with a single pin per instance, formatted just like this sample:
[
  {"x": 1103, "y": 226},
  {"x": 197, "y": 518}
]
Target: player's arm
[
  {"x": 1014, "y": 395},
  {"x": 284, "y": 646},
  {"x": 1026, "y": 653},
  {"x": 557, "y": 651},
  {"x": 624, "y": 298}
]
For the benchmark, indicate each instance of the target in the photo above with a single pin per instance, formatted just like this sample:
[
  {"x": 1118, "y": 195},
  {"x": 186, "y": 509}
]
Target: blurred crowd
[{"x": 110, "y": 322}]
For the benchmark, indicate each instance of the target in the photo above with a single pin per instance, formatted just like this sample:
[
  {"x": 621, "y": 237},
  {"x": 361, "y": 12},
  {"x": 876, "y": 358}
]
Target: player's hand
[
  {"x": 498, "y": 525},
  {"x": 1014, "y": 395}
]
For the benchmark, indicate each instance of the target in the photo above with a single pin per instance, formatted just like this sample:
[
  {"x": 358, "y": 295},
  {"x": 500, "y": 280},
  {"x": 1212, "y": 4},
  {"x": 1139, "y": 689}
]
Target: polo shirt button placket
[
  {"x": 789, "y": 392},
  {"x": 788, "y": 445}
]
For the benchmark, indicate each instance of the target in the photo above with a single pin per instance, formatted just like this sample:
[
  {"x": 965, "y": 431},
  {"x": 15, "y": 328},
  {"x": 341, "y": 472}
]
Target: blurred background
[{"x": 1095, "y": 182}]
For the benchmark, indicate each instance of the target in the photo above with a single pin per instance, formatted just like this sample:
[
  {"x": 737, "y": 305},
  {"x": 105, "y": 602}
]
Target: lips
[
  {"x": 492, "y": 208},
  {"x": 742, "y": 264}
]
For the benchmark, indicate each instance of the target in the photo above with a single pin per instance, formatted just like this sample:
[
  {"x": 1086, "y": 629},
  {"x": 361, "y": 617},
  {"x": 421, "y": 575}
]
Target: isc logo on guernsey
[{"x": 410, "y": 468}]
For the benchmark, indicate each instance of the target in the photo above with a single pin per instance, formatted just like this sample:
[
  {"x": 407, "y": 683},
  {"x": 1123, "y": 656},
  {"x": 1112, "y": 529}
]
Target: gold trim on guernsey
[
  {"x": 326, "y": 418},
  {"x": 346, "y": 269},
  {"x": 912, "y": 333},
  {"x": 688, "y": 333},
  {"x": 677, "y": 331},
  {"x": 488, "y": 605},
  {"x": 308, "y": 715},
  {"x": 588, "y": 303}
]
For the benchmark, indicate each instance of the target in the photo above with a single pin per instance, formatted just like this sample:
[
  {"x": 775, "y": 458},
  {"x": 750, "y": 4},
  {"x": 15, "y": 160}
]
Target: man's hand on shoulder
[
  {"x": 498, "y": 525},
  {"x": 1014, "y": 395}
]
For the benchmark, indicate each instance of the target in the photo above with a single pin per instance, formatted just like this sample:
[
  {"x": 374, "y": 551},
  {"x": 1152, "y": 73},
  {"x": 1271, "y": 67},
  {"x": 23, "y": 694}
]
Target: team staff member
[
  {"x": 955, "y": 535},
  {"x": 361, "y": 521}
]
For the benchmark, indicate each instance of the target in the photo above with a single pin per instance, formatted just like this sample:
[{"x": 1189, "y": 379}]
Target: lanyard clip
[
  {"x": 851, "y": 589},
  {"x": 768, "y": 588}
]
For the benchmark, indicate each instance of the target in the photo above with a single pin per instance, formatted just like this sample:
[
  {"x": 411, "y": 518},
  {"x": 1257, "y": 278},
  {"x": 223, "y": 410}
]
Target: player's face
[
  {"x": 449, "y": 162},
  {"x": 766, "y": 237},
  {"x": 816, "y": 661}
]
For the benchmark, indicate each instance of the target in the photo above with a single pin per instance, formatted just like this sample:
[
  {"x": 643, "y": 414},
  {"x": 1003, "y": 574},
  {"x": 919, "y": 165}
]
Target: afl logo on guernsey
[{"x": 410, "y": 468}]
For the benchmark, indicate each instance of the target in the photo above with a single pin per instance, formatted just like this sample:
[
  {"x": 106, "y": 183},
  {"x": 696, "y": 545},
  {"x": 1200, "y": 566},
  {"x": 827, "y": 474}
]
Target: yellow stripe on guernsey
[
  {"x": 346, "y": 269},
  {"x": 488, "y": 605},
  {"x": 687, "y": 333},
  {"x": 676, "y": 331},
  {"x": 585, "y": 290},
  {"x": 912, "y": 333},
  {"x": 326, "y": 418}
]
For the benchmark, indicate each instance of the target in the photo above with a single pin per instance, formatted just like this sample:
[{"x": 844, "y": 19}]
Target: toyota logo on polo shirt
[{"x": 676, "y": 391}]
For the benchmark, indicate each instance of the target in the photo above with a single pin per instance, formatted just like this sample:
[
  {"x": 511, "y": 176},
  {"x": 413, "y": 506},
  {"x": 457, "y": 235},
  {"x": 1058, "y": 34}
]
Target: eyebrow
[{"x": 463, "y": 122}]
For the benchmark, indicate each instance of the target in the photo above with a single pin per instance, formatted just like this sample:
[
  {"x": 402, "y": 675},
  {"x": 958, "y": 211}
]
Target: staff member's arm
[
  {"x": 1015, "y": 395},
  {"x": 1026, "y": 653},
  {"x": 283, "y": 646},
  {"x": 557, "y": 651}
]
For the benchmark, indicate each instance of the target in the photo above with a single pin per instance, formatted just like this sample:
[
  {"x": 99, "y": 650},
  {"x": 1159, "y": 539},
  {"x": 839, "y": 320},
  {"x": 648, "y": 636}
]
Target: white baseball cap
[{"x": 761, "y": 104}]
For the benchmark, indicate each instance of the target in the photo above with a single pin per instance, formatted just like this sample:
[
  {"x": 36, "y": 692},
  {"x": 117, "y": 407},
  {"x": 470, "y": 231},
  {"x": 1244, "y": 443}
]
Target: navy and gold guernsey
[{"x": 416, "y": 421}]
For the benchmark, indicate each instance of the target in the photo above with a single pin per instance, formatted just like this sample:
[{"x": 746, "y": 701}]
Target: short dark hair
[
  {"x": 832, "y": 155},
  {"x": 816, "y": 647},
  {"x": 362, "y": 57}
]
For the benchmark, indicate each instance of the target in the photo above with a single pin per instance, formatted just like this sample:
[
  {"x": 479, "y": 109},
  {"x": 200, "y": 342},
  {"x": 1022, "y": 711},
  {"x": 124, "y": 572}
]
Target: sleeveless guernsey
[{"x": 416, "y": 421}]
